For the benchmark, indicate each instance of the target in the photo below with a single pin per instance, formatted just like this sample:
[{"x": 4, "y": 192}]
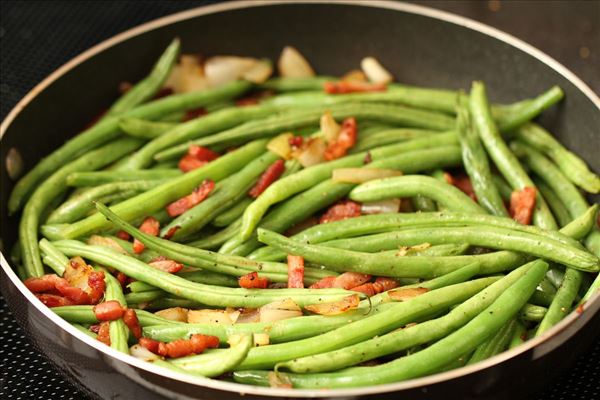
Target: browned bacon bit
[
  {"x": 108, "y": 311},
  {"x": 335, "y": 308},
  {"x": 196, "y": 157},
  {"x": 123, "y": 235},
  {"x": 349, "y": 280},
  {"x": 342, "y": 210},
  {"x": 522, "y": 203},
  {"x": 295, "y": 272},
  {"x": 380, "y": 285},
  {"x": 170, "y": 232},
  {"x": 246, "y": 101},
  {"x": 52, "y": 300},
  {"x": 296, "y": 141},
  {"x": 104, "y": 333},
  {"x": 324, "y": 283},
  {"x": 164, "y": 92},
  {"x": 253, "y": 281},
  {"x": 196, "y": 344},
  {"x": 150, "y": 344},
  {"x": 405, "y": 294},
  {"x": 95, "y": 328},
  {"x": 180, "y": 206},
  {"x": 123, "y": 279},
  {"x": 43, "y": 284},
  {"x": 131, "y": 320},
  {"x": 461, "y": 182},
  {"x": 62, "y": 293},
  {"x": 195, "y": 113},
  {"x": 189, "y": 163},
  {"x": 164, "y": 264},
  {"x": 97, "y": 286},
  {"x": 579, "y": 308},
  {"x": 345, "y": 140},
  {"x": 125, "y": 87},
  {"x": 272, "y": 173},
  {"x": 368, "y": 158},
  {"x": 352, "y": 87},
  {"x": 151, "y": 227}
]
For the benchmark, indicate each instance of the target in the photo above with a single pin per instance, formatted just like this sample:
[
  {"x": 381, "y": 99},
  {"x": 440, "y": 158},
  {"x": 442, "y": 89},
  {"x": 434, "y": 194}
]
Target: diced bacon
[
  {"x": 342, "y": 210},
  {"x": 170, "y": 232},
  {"x": 324, "y": 283},
  {"x": 272, "y": 173},
  {"x": 346, "y": 139},
  {"x": 59, "y": 292},
  {"x": 296, "y": 141},
  {"x": 149, "y": 344},
  {"x": 385, "y": 283},
  {"x": 348, "y": 280},
  {"x": 368, "y": 288},
  {"x": 196, "y": 197},
  {"x": 123, "y": 279},
  {"x": 202, "y": 153},
  {"x": 164, "y": 92},
  {"x": 52, "y": 300},
  {"x": 123, "y": 235},
  {"x": 353, "y": 86},
  {"x": 380, "y": 285},
  {"x": 196, "y": 344},
  {"x": 405, "y": 294},
  {"x": 461, "y": 182},
  {"x": 96, "y": 286},
  {"x": 166, "y": 265},
  {"x": 150, "y": 226},
  {"x": 335, "y": 308},
  {"x": 295, "y": 272},
  {"x": 246, "y": 101},
  {"x": 131, "y": 320},
  {"x": 104, "y": 333},
  {"x": 195, "y": 113},
  {"x": 75, "y": 294},
  {"x": 43, "y": 284},
  {"x": 253, "y": 281},
  {"x": 189, "y": 163},
  {"x": 522, "y": 204},
  {"x": 109, "y": 311}
]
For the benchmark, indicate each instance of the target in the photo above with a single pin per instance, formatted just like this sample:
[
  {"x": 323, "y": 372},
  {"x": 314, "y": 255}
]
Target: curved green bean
[
  {"x": 215, "y": 240},
  {"x": 144, "y": 129},
  {"x": 389, "y": 136},
  {"x": 102, "y": 177},
  {"x": 118, "y": 331},
  {"x": 59, "y": 260},
  {"x": 494, "y": 345},
  {"x": 558, "y": 208},
  {"x": 232, "y": 214}
]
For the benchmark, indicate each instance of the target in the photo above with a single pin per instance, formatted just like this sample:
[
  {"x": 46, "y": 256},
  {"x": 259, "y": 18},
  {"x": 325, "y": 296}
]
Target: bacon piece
[
  {"x": 195, "y": 113},
  {"x": 52, "y": 300},
  {"x": 272, "y": 173},
  {"x": 405, "y": 294},
  {"x": 43, "y": 284},
  {"x": 163, "y": 92},
  {"x": 149, "y": 344},
  {"x": 295, "y": 272},
  {"x": 324, "y": 283},
  {"x": 171, "y": 232},
  {"x": 123, "y": 235},
  {"x": 342, "y": 210},
  {"x": 338, "y": 307},
  {"x": 189, "y": 163},
  {"x": 104, "y": 333},
  {"x": 131, "y": 320},
  {"x": 196, "y": 344},
  {"x": 196, "y": 197},
  {"x": 345, "y": 140},
  {"x": 352, "y": 86},
  {"x": 246, "y": 101},
  {"x": 123, "y": 279},
  {"x": 522, "y": 204},
  {"x": 253, "y": 281},
  {"x": 151, "y": 227},
  {"x": 109, "y": 311},
  {"x": 75, "y": 294},
  {"x": 296, "y": 141},
  {"x": 96, "y": 286},
  {"x": 196, "y": 157},
  {"x": 164, "y": 264},
  {"x": 380, "y": 285},
  {"x": 349, "y": 280},
  {"x": 461, "y": 182}
]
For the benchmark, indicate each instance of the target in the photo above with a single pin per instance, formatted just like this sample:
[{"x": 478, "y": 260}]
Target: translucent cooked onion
[
  {"x": 209, "y": 317},
  {"x": 312, "y": 153},
  {"x": 346, "y": 304},
  {"x": 361, "y": 175},
  {"x": 375, "y": 71},
  {"x": 260, "y": 72},
  {"x": 381, "y": 207},
  {"x": 329, "y": 127},
  {"x": 279, "y": 310},
  {"x": 405, "y": 294},
  {"x": 139, "y": 351},
  {"x": 77, "y": 273},
  {"x": 355, "y": 75},
  {"x": 261, "y": 339},
  {"x": 174, "y": 314},
  {"x": 220, "y": 70},
  {"x": 188, "y": 76},
  {"x": 292, "y": 64},
  {"x": 280, "y": 145}
]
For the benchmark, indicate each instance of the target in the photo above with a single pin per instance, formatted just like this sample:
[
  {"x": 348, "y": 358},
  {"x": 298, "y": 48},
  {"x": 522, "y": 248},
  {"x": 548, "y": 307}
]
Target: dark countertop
[{"x": 37, "y": 37}]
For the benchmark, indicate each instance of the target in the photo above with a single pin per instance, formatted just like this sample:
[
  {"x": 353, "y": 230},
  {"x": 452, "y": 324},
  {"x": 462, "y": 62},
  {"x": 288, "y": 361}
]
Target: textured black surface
[{"x": 38, "y": 37}]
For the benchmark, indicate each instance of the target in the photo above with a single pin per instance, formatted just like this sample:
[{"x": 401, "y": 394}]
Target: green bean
[
  {"x": 102, "y": 177},
  {"x": 232, "y": 214},
  {"x": 217, "y": 239},
  {"x": 437, "y": 250},
  {"x": 144, "y": 129},
  {"x": 206, "y": 277},
  {"x": 428, "y": 360},
  {"x": 519, "y": 335},
  {"x": 489, "y": 237},
  {"x": 475, "y": 160},
  {"x": 581, "y": 226},
  {"x": 408, "y": 186},
  {"x": 108, "y": 130},
  {"x": 494, "y": 345},
  {"x": 561, "y": 305},
  {"x": 86, "y": 315},
  {"x": 592, "y": 290},
  {"x": 206, "y": 294},
  {"x": 57, "y": 260},
  {"x": 506, "y": 161},
  {"x": 155, "y": 199},
  {"x": 514, "y": 115},
  {"x": 294, "y": 119},
  {"x": 54, "y": 187},
  {"x": 532, "y": 312},
  {"x": 558, "y": 208},
  {"x": 118, "y": 331},
  {"x": 457, "y": 276},
  {"x": 544, "y": 293},
  {"x": 296, "y": 84},
  {"x": 573, "y": 167},
  {"x": 78, "y": 206},
  {"x": 503, "y": 187},
  {"x": 396, "y": 316},
  {"x": 423, "y": 204},
  {"x": 226, "y": 193},
  {"x": 211, "y": 366},
  {"x": 148, "y": 86},
  {"x": 388, "y": 136},
  {"x": 144, "y": 297},
  {"x": 399, "y": 340}
]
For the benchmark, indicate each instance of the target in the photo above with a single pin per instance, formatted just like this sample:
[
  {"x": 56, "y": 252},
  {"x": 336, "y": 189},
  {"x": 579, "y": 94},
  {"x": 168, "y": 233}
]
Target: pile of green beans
[{"x": 470, "y": 282}]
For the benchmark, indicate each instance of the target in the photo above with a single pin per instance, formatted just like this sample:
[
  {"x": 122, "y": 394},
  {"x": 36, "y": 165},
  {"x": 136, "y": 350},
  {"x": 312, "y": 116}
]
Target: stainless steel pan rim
[{"x": 540, "y": 345}]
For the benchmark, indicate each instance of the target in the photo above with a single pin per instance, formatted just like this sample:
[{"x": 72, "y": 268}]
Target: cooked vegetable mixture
[{"x": 308, "y": 231}]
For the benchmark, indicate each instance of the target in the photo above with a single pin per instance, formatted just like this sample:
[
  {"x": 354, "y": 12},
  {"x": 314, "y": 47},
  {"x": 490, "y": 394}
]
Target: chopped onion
[
  {"x": 260, "y": 72},
  {"x": 329, "y": 127},
  {"x": 312, "y": 153},
  {"x": 407, "y": 293},
  {"x": 261, "y": 339},
  {"x": 174, "y": 314},
  {"x": 292, "y": 64},
  {"x": 14, "y": 163},
  {"x": 224, "y": 69},
  {"x": 112, "y": 244},
  {"x": 280, "y": 145},
  {"x": 360, "y": 175},
  {"x": 139, "y": 351},
  {"x": 335, "y": 308},
  {"x": 77, "y": 273},
  {"x": 248, "y": 315},
  {"x": 209, "y": 317},
  {"x": 355, "y": 75},
  {"x": 381, "y": 207},
  {"x": 279, "y": 310},
  {"x": 375, "y": 71},
  {"x": 191, "y": 75},
  {"x": 233, "y": 314}
]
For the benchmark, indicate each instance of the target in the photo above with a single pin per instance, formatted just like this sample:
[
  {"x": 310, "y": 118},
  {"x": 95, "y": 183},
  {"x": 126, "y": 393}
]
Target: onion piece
[
  {"x": 224, "y": 69},
  {"x": 375, "y": 71},
  {"x": 355, "y": 75},
  {"x": 139, "y": 351},
  {"x": 174, "y": 314},
  {"x": 313, "y": 153},
  {"x": 335, "y": 308},
  {"x": 361, "y": 175},
  {"x": 279, "y": 310},
  {"x": 292, "y": 64},
  {"x": 381, "y": 207},
  {"x": 261, "y": 339},
  {"x": 112, "y": 244},
  {"x": 280, "y": 145},
  {"x": 77, "y": 273},
  {"x": 407, "y": 293},
  {"x": 260, "y": 72},
  {"x": 14, "y": 163},
  {"x": 190, "y": 74},
  {"x": 209, "y": 317},
  {"x": 329, "y": 127},
  {"x": 248, "y": 315},
  {"x": 233, "y": 314}
]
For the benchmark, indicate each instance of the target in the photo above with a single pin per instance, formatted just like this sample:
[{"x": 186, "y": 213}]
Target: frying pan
[{"x": 421, "y": 46}]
